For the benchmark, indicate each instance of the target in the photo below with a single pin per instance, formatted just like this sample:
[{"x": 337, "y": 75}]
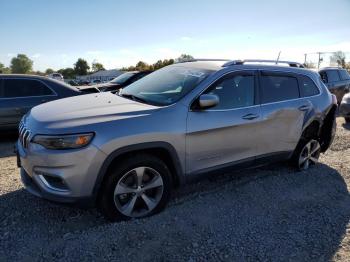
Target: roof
[{"x": 219, "y": 65}]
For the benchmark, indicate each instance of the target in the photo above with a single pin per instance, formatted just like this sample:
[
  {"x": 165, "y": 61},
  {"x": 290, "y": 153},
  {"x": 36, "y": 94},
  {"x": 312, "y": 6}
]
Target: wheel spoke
[
  {"x": 129, "y": 207},
  {"x": 148, "y": 201},
  {"x": 314, "y": 160},
  {"x": 306, "y": 164},
  {"x": 155, "y": 182},
  {"x": 124, "y": 189},
  {"x": 315, "y": 149},
  {"x": 302, "y": 160},
  {"x": 139, "y": 173}
]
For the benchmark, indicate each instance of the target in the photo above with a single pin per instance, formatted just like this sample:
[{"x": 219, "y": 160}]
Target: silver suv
[{"x": 125, "y": 152}]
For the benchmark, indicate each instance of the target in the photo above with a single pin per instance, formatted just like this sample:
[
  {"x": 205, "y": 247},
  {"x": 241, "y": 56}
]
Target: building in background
[{"x": 103, "y": 75}]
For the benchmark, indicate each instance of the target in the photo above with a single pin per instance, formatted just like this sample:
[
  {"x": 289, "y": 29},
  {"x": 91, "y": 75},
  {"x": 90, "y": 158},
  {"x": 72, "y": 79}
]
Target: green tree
[
  {"x": 68, "y": 73},
  {"x": 4, "y": 70},
  {"x": 141, "y": 66},
  {"x": 184, "y": 58},
  {"x": 21, "y": 64},
  {"x": 97, "y": 67},
  {"x": 81, "y": 67},
  {"x": 49, "y": 71},
  {"x": 339, "y": 58}
]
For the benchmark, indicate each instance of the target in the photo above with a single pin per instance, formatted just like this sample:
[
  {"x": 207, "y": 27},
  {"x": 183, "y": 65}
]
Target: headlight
[{"x": 63, "y": 141}]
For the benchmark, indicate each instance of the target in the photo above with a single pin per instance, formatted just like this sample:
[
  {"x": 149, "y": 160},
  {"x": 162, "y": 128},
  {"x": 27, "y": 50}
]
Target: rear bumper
[{"x": 32, "y": 187}]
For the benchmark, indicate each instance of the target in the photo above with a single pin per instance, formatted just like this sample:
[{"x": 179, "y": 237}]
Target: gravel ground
[{"x": 266, "y": 214}]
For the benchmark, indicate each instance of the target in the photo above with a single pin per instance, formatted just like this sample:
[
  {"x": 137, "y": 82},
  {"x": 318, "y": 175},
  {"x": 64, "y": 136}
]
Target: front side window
[
  {"x": 308, "y": 87},
  {"x": 333, "y": 76},
  {"x": 234, "y": 91},
  {"x": 344, "y": 75},
  {"x": 276, "y": 88},
  {"x": 167, "y": 85},
  {"x": 24, "y": 88}
]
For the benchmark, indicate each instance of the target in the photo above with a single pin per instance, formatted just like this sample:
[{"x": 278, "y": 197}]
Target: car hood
[{"x": 86, "y": 110}]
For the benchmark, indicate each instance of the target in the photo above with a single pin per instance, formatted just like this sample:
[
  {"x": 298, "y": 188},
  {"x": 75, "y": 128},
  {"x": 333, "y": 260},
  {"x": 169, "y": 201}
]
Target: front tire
[
  {"x": 306, "y": 154},
  {"x": 139, "y": 187}
]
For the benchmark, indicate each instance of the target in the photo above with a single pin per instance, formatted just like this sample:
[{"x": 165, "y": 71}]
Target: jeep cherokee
[{"x": 125, "y": 152}]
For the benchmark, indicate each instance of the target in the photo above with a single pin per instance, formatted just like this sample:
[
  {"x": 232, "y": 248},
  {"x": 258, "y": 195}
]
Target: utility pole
[
  {"x": 305, "y": 55},
  {"x": 319, "y": 60}
]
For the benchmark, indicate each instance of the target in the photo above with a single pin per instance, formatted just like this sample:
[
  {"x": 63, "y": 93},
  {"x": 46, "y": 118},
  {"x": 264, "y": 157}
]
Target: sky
[{"x": 54, "y": 34}]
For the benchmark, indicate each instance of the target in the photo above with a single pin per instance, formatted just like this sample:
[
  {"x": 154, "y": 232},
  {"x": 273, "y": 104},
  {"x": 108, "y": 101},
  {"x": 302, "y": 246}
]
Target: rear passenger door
[
  {"x": 283, "y": 113},
  {"x": 18, "y": 96}
]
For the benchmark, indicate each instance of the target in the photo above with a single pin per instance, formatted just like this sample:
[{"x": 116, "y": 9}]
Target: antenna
[{"x": 278, "y": 57}]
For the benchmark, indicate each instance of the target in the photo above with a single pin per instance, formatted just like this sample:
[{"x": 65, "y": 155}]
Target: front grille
[{"x": 24, "y": 135}]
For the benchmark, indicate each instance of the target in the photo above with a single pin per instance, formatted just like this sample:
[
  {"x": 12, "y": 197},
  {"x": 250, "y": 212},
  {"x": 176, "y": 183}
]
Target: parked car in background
[
  {"x": 95, "y": 82},
  {"x": 337, "y": 81},
  {"x": 122, "y": 81},
  {"x": 125, "y": 152},
  {"x": 19, "y": 93},
  {"x": 344, "y": 108},
  {"x": 56, "y": 76}
]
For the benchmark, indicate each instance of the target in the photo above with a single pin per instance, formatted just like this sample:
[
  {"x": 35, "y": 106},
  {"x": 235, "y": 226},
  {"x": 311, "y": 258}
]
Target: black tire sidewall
[{"x": 106, "y": 198}]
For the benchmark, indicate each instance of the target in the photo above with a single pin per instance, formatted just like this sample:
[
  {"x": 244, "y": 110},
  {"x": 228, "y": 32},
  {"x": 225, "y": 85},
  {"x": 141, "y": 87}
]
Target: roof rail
[
  {"x": 241, "y": 62},
  {"x": 204, "y": 60}
]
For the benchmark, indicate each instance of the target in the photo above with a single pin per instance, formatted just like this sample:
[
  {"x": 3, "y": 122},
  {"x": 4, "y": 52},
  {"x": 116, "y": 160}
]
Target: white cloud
[
  {"x": 186, "y": 38},
  {"x": 94, "y": 52},
  {"x": 36, "y": 55},
  {"x": 11, "y": 55}
]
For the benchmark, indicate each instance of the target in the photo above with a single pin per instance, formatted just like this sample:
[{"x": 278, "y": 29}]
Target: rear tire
[
  {"x": 347, "y": 119},
  {"x": 139, "y": 187},
  {"x": 306, "y": 154}
]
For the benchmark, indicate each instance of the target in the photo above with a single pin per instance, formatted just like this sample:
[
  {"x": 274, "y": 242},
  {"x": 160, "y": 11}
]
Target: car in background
[
  {"x": 20, "y": 93},
  {"x": 122, "y": 81},
  {"x": 344, "y": 108},
  {"x": 95, "y": 82},
  {"x": 337, "y": 81},
  {"x": 56, "y": 76}
]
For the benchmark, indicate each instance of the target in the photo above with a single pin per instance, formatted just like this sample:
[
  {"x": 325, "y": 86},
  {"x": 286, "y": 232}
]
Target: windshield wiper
[{"x": 134, "y": 98}]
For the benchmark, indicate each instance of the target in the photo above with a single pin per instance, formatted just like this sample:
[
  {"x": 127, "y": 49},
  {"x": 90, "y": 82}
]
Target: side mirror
[{"x": 207, "y": 101}]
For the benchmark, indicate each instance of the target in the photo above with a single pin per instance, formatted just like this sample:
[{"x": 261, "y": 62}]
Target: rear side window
[
  {"x": 344, "y": 75},
  {"x": 333, "y": 76},
  {"x": 24, "y": 88},
  {"x": 308, "y": 87},
  {"x": 234, "y": 91},
  {"x": 276, "y": 88}
]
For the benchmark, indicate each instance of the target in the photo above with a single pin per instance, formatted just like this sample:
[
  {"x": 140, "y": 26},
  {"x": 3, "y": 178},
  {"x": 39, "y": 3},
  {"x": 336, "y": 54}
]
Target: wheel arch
[{"x": 162, "y": 150}]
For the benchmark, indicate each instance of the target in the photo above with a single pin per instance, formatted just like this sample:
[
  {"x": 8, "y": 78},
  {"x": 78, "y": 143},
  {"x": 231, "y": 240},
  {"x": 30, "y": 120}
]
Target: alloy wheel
[
  {"x": 309, "y": 154},
  {"x": 138, "y": 192}
]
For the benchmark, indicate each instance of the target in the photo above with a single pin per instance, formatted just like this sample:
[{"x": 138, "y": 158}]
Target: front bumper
[
  {"x": 344, "y": 109},
  {"x": 66, "y": 176}
]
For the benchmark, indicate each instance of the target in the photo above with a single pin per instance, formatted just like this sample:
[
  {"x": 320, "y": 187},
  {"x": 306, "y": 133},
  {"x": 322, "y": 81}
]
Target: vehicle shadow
[
  {"x": 265, "y": 213},
  {"x": 7, "y": 143}
]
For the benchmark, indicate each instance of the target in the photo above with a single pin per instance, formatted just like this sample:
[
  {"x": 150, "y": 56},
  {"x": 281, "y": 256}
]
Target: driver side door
[{"x": 226, "y": 134}]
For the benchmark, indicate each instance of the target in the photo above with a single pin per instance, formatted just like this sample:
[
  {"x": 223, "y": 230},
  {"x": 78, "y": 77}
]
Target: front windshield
[
  {"x": 167, "y": 85},
  {"x": 122, "y": 78}
]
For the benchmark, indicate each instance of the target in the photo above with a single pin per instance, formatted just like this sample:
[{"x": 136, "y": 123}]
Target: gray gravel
[{"x": 266, "y": 214}]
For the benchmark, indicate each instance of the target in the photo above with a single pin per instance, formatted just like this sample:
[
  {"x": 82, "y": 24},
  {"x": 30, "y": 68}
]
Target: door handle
[
  {"x": 304, "y": 108},
  {"x": 250, "y": 116}
]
